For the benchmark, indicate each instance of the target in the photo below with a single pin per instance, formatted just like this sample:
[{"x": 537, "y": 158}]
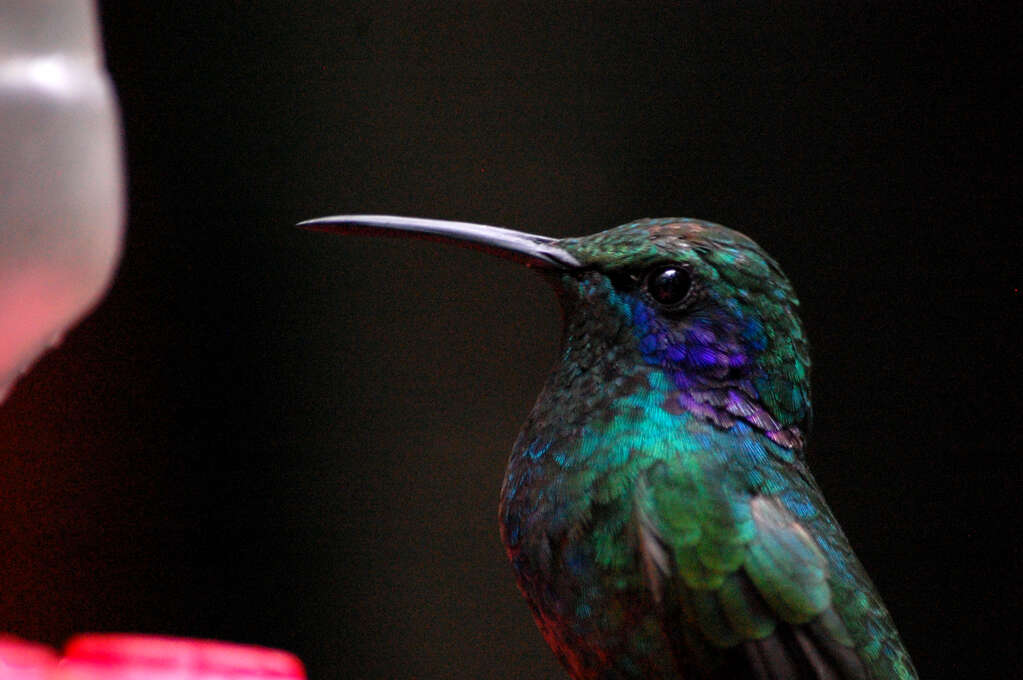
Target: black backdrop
[{"x": 297, "y": 440}]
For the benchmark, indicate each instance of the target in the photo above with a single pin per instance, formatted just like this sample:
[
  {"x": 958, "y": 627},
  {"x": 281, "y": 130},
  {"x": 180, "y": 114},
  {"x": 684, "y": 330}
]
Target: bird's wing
[{"x": 742, "y": 586}]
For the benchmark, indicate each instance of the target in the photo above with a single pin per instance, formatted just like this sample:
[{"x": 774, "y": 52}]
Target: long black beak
[{"x": 529, "y": 249}]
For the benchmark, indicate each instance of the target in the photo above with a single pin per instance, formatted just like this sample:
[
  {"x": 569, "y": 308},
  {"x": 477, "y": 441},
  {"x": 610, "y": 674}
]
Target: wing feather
[{"x": 745, "y": 574}]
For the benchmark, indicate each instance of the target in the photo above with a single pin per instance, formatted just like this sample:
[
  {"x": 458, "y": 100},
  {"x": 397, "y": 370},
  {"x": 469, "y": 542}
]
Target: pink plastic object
[
  {"x": 151, "y": 657},
  {"x": 21, "y": 660}
]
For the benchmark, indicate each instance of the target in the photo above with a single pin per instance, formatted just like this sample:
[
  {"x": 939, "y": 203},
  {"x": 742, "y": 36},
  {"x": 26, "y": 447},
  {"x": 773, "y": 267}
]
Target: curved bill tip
[{"x": 529, "y": 249}]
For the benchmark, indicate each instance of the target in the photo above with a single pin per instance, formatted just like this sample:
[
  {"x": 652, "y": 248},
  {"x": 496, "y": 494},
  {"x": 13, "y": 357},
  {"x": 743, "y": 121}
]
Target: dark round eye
[{"x": 668, "y": 285}]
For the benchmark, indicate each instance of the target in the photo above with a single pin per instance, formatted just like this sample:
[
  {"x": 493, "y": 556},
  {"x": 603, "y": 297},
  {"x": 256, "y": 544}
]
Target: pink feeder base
[{"x": 145, "y": 657}]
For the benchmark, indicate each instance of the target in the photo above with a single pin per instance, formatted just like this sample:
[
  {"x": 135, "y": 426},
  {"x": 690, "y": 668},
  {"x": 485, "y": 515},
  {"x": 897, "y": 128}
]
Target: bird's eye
[{"x": 668, "y": 285}]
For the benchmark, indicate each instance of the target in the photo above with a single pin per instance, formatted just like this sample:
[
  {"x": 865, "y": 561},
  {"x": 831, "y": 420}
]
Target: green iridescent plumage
[{"x": 657, "y": 507}]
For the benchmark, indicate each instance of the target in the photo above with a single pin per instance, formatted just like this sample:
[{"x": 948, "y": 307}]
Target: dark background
[{"x": 292, "y": 439}]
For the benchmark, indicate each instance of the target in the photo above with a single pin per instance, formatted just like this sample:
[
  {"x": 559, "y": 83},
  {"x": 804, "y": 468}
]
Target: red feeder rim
[
  {"x": 119, "y": 656},
  {"x": 22, "y": 660}
]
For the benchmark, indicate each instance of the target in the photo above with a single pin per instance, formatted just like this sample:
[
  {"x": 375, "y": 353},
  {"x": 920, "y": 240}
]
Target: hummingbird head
[
  {"x": 696, "y": 308},
  {"x": 706, "y": 307}
]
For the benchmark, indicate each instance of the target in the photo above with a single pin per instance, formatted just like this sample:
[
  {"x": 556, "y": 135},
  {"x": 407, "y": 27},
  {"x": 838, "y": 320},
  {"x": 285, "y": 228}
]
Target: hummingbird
[{"x": 657, "y": 508}]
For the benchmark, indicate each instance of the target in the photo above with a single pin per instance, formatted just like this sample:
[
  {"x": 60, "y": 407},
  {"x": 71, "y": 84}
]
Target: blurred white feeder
[{"x": 61, "y": 178}]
